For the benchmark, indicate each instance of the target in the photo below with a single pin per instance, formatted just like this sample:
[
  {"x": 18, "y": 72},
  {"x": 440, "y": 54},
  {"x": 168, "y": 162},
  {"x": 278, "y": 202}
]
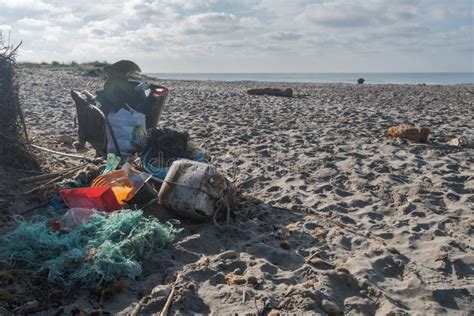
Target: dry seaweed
[{"x": 167, "y": 144}]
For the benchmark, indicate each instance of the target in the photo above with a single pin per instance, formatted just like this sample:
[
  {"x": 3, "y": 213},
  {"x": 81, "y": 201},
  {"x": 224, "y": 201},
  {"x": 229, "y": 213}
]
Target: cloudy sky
[{"x": 248, "y": 35}]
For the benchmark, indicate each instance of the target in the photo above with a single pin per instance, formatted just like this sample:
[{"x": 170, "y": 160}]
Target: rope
[
  {"x": 119, "y": 242},
  {"x": 222, "y": 204}
]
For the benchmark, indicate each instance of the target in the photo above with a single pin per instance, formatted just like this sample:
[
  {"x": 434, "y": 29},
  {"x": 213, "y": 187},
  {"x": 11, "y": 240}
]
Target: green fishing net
[{"x": 103, "y": 250}]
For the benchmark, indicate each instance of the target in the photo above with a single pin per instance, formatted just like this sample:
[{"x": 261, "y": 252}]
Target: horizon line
[{"x": 310, "y": 73}]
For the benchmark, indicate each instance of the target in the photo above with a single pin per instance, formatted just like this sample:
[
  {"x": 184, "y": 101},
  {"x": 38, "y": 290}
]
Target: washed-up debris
[
  {"x": 101, "y": 251},
  {"x": 46, "y": 186},
  {"x": 102, "y": 198},
  {"x": 124, "y": 183},
  {"x": 117, "y": 90},
  {"x": 90, "y": 239},
  {"x": 414, "y": 134},
  {"x": 66, "y": 154},
  {"x": 111, "y": 164},
  {"x": 126, "y": 132},
  {"x": 460, "y": 142},
  {"x": 116, "y": 118},
  {"x": 196, "y": 190},
  {"x": 167, "y": 144},
  {"x": 272, "y": 91},
  {"x": 91, "y": 123},
  {"x": 82, "y": 179},
  {"x": 73, "y": 218}
]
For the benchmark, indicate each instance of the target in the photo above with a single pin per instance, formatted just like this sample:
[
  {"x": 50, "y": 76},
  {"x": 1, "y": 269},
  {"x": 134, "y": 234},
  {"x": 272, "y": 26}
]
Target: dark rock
[
  {"x": 361, "y": 81},
  {"x": 218, "y": 278},
  {"x": 229, "y": 254},
  {"x": 331, "y": 308},
  {"x": 66, "y": 139}
]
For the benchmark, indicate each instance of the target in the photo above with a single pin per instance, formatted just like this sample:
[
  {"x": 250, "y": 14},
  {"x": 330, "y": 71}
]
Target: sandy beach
[{"x": 336, "y": 218}]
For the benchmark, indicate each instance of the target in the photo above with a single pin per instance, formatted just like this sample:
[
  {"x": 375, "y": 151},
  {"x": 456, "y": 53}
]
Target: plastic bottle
[
  {"x": 73, "y": 218},
  {"x": 112, "y": 163}
]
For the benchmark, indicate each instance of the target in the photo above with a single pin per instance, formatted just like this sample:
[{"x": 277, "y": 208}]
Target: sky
[{"x": 248, "y": 35}]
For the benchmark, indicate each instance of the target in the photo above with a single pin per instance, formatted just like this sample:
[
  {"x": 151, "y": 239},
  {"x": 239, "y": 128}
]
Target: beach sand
[{"x": 337, "y": 217}]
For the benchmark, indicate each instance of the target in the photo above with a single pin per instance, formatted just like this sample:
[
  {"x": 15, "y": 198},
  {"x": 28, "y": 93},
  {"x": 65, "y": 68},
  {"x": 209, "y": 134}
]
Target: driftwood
[
  {"x": 140, "y": 304},
  {"x": 64, "y": 154},
  {"x": 272, "y": 91},
  {"x": 166, "y": 308},
  {"x": 39, "y": 178}
]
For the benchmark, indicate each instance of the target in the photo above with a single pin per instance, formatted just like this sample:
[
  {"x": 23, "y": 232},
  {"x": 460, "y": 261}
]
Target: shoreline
[
  {"x": 270, "y": 78},
  {"x": 269, "y": 83}
]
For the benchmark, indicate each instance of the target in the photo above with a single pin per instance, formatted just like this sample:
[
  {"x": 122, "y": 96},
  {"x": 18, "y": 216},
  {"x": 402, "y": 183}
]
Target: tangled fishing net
[
  {"x": 167, "y": 143},
  {"x": 103, "y": 250},
  {"x": 164, "y": 146}
]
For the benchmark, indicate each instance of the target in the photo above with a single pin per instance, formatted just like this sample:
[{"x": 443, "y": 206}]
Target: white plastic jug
[{"x": 193, "y": 189}]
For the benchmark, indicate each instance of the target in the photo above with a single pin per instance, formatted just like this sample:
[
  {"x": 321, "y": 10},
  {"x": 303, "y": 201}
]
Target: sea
[{"x": 429, "y": 78}]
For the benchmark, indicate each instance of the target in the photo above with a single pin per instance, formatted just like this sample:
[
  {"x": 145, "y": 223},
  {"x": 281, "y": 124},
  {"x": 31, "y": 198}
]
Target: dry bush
[{"x": 14, "y": 150}]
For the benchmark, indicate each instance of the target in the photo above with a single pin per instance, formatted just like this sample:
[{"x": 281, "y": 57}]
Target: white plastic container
[{"x": 193, "y": 189}]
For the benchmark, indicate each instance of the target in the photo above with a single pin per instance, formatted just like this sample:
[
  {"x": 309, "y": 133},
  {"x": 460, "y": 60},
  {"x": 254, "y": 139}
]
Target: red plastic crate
[{"x": 101, "y": 198}]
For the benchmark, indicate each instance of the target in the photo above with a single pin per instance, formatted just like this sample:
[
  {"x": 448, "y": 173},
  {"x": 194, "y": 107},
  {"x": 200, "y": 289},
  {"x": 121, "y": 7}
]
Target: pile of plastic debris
[{"x": 89, "y": 238}]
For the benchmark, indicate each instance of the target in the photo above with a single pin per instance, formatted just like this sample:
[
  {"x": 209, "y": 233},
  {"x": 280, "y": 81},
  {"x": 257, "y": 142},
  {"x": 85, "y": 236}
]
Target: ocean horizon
[{"x": 445, "y": 78}]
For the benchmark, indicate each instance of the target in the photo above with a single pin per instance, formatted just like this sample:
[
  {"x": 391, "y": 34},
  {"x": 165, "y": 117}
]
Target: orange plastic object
[
  {"x": 119, "y": 182},
  {"x": 101, "y": 198}
]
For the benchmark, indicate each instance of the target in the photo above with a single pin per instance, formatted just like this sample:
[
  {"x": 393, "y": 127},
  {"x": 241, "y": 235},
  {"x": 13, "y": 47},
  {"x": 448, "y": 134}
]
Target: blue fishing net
[{"x": 103, "y": 250}]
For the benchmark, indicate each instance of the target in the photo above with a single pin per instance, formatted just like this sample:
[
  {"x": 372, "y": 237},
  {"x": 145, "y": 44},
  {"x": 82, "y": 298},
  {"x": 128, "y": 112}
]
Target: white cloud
[
  {"x": 190, "y": 4},
  {"x": 67, "y": 18},
  {"x": 285, "y": 36},
  {"x": 360, "y": 13},
  {"x": 100, "y": 28},
  {"x": 30, "y": 22},
  {"x": 214, "y": 23},
  {"x": 34, "y": 5},
  {"x": 261, "y": 35}
]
